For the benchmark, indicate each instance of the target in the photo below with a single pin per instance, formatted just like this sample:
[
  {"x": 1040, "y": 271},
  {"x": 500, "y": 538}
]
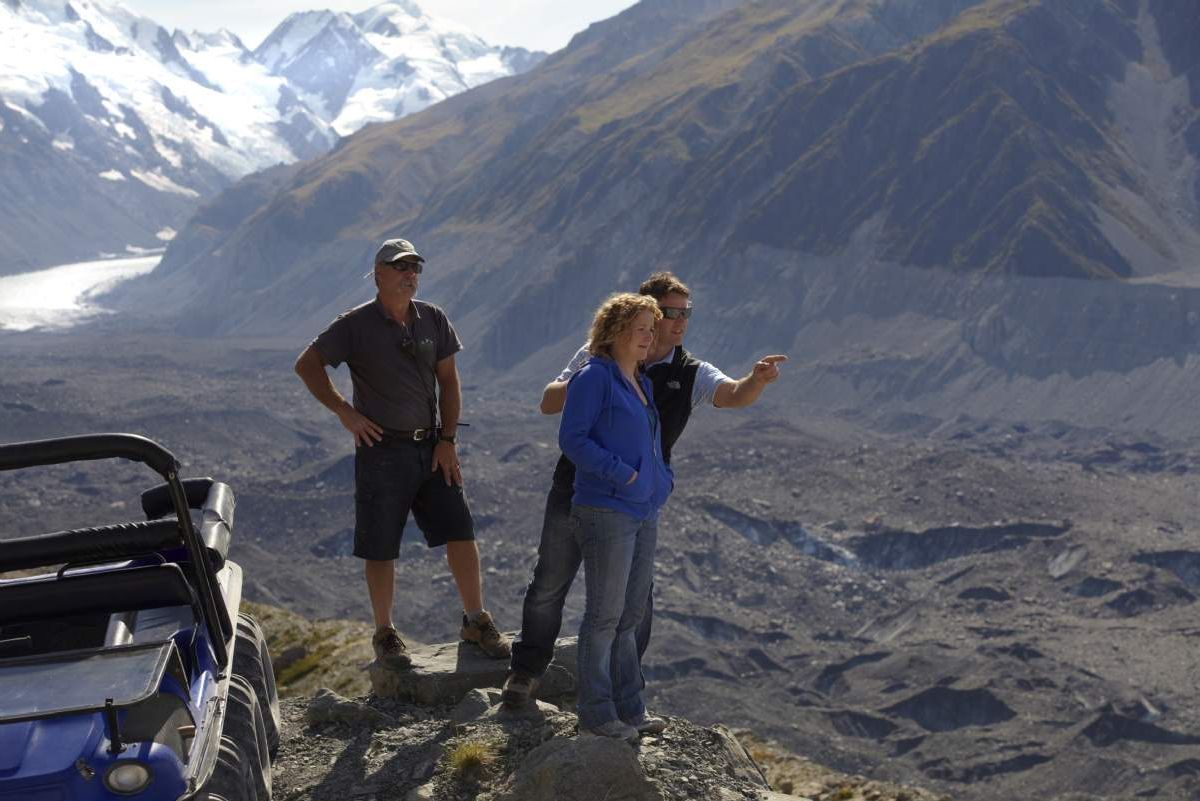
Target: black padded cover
[
  {"x": 96, "y": 544},
  {"x": 135, "y": 588},
  {"x": 216, "y": 503},
  {"x": 109, "y": 543},
  {"x": 156, "y": 501}
]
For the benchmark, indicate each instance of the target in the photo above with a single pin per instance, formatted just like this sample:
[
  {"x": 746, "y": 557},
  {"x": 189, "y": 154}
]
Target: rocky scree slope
[
  {"x": 468, "y": 746},
  {"x": 994, "y": 609}
]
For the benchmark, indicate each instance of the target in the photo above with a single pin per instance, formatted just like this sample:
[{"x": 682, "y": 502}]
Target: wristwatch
[{"x": 447, "y": 438}]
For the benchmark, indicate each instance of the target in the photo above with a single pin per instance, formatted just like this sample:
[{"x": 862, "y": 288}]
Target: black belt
[{"x": 416, "y": 435}]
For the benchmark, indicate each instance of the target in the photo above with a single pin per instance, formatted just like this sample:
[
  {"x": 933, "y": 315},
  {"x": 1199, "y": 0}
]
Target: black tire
[
  {"x": 244, "y": 725},
  {"x": 252, "y": 661},
  {"x": 229, "y": 780}
]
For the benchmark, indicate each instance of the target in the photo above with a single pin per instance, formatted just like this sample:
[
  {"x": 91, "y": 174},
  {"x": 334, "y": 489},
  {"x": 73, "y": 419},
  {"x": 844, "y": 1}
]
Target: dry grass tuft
[{"x": 470, "y": 756}]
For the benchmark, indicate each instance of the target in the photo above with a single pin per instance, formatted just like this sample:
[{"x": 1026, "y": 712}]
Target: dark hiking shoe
[
  {"x": 390, "y": 650},
  {"x": 483, "y": 633},
  {"x": 616, "y": 729},
  {"x": 518, "y": 689},
  {"x": 649, "y": 724}
]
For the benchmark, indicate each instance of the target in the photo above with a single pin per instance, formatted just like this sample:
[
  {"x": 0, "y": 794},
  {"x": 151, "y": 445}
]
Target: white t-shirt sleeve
[
  {"x": 708, "y": 378},
  {"x": 575, "y": 364}
]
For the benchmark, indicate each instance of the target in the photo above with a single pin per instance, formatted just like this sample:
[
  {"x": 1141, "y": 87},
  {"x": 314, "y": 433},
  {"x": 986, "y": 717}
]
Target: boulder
[
  {"x": 473, "y": 704},
  {"x": 537, "y": 711},
  {"x": 444, "y": 674},
  {"x": 485, "y": 705},
  {"x": 426, "y": 792},
  {"x": 327, "y": 706},
  {"x": 580, "y": 769},
  {"x": 740, "y": 764}
]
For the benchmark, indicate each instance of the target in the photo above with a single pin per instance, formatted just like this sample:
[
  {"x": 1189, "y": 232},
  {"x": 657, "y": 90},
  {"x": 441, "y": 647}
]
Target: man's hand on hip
[
  {"x": 445, "y": 457},
  {"x": 365, "y": 430}
]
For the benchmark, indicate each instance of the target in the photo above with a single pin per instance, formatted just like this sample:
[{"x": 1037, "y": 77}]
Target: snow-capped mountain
[
  {"x": 383, "y": 63},
  {"x": 113, "y": 129}
]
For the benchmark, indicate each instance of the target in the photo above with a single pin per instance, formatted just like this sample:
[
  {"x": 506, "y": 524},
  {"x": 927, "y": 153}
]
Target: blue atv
[{"x": 126, "y": 670}]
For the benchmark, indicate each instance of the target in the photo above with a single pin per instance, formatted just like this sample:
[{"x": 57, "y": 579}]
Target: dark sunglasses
[
  {"x": 672, "y": 313},
  {"x": 404, "y": 265}
]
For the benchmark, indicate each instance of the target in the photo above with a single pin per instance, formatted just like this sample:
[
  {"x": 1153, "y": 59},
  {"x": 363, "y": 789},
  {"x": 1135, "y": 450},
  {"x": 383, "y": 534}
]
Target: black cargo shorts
[{"x": 389, "y": 480}]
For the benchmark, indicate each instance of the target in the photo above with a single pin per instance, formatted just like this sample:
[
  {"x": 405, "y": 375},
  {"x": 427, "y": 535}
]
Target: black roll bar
[{"x": 89, "y": 447}]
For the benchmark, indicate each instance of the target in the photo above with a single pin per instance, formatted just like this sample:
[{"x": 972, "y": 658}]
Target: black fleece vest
[{"x": 673, "y": 383}]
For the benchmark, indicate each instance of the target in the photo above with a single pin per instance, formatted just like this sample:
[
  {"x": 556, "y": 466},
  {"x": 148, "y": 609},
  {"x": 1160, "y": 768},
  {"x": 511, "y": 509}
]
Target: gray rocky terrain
[
  {"x": 990, "y": 609},
  {"x": 437, "y": 731}
]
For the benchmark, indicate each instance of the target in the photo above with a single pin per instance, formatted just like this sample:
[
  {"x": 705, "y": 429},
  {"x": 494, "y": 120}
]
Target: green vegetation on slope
[{"x": 309, "y": 654}]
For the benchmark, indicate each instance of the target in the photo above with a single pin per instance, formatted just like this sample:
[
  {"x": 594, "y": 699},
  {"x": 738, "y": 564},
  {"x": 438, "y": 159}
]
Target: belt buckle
[{"x": 420, "y": 434}]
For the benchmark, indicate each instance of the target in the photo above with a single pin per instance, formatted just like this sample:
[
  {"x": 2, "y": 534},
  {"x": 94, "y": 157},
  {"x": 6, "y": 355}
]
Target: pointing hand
[{"x": 766, "y": 369}]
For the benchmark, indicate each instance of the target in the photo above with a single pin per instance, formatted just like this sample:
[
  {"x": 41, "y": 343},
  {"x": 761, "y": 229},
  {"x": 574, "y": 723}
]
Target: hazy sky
[{"x": 536, "y": 24}]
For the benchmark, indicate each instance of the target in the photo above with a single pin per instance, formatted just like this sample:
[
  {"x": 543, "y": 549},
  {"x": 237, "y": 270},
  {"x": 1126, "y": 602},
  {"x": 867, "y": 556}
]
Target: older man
[
  {"x": 401, "y": 356},
  {"x": 681, "y": 383}
]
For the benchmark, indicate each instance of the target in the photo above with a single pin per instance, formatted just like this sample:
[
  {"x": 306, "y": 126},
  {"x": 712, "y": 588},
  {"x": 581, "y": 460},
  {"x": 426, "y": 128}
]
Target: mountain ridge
[
  {"x": 1008, "y": 157},
  {"x": 148, "y": 121},
  {"x": 526, "y": 151}
]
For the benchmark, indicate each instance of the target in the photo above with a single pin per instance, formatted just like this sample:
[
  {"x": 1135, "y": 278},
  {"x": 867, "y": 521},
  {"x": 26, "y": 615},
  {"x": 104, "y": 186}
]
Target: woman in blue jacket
[{"x": 610, "y": 430}]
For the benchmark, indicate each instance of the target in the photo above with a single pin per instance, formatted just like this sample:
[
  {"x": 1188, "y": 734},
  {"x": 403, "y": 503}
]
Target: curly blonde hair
[{"x": 614, "y": 318}]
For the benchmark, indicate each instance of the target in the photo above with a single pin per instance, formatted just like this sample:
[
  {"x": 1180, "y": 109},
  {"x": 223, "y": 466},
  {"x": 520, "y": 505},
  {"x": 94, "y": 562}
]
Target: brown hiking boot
[
  {"x": 649, "y": 724},
  {"x": 518, "y": 689},
  {"x": 617, "y": 730},
  {"x": 390, "y": 650},
  {"x": 483, "y": 633}
]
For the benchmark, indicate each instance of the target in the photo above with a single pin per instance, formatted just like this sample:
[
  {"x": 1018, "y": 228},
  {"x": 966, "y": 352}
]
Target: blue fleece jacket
[{"x": 609, "y": 434}]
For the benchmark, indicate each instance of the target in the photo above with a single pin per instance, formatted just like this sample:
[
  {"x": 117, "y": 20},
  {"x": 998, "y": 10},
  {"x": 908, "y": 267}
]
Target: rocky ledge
[{"x": 438, "y": 731}]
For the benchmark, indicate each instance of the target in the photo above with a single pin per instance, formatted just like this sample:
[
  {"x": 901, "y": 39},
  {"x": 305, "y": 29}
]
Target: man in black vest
[{"x": 681, "y": 383}]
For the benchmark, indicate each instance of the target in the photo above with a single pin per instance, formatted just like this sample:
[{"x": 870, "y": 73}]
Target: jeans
[
  {"x": 558, "y": 561},
  {"x": 618, "y": 567}
]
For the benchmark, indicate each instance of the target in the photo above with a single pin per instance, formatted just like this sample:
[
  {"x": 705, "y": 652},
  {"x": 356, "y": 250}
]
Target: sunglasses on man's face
[
  {"x": 405, "y": 265},
  {"x": 672, "y": 313}
]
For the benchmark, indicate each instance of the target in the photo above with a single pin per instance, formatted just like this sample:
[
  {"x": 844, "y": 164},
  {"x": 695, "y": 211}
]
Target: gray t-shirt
[
  {"x": 708, "y": 377},
  {"x": 391, "y": 365}
]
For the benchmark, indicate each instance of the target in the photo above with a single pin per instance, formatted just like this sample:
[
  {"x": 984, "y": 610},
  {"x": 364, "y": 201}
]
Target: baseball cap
[{"x": 395, "y": 250}]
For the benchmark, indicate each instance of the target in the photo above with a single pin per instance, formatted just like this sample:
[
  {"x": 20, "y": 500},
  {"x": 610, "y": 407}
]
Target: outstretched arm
[
  {"x": 311, "y": 369},
  {"x": 745, "y": 391}
]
